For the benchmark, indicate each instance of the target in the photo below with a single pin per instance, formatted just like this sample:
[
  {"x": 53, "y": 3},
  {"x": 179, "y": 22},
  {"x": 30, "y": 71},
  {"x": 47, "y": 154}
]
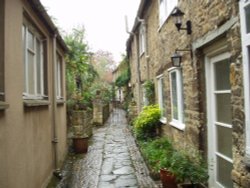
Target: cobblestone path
[{"x": 113, "y": 159}]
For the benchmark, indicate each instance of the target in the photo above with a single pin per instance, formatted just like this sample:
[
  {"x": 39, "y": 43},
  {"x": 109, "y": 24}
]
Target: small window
[
  {"x": 161, "y": 98},
  {"x": 34, "y": 65},
  {"x": 144, "y": 97},
  {"x": 142, "y": 39},
  {"x": 59, "y": 78},
  {"x": 247, "y": 15},
  {"x": 176, "y": 99},
  {"x": 165, "y": 8}
]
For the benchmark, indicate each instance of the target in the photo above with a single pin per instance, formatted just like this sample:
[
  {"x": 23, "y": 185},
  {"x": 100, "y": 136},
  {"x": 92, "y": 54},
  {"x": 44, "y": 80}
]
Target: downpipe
[{"x": 57, "y": 172}]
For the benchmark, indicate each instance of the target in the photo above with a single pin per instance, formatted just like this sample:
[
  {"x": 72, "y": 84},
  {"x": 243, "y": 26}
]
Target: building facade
[
  {"x": 204, "y": 102},
  {"x": 32, "y": 94}
]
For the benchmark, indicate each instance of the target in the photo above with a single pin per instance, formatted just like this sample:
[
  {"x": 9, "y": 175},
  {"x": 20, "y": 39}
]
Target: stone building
[
  {"x": 32, "y": 94},
  {"x": 204, "y": 102}
]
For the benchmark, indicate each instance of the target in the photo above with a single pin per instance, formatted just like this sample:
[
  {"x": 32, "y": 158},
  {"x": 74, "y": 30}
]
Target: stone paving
[{"x": 113, "y": 159}]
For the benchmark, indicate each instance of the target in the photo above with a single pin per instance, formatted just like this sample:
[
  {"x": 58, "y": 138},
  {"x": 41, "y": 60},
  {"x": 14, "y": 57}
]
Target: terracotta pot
[
  {"x": 168, "y": 179},
  {"x": 80, "y": 144}
]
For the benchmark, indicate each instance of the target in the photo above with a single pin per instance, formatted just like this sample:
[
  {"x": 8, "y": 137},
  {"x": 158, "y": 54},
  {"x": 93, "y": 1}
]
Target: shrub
[
  {"x": 147, "y": 121},
  {"x": 188, "y": 165},
  {"x": 157, "y": 153}
]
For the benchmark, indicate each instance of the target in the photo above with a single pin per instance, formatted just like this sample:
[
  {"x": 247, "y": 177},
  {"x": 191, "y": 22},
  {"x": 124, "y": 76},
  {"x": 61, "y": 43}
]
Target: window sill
[
  {"x": 60, "y": 101},
  {"x": 177, "y": 125},
  {"x": 34, "y": 103},
  {"x": 3, "y": 105},
  {"x": 163, "y": 120}
]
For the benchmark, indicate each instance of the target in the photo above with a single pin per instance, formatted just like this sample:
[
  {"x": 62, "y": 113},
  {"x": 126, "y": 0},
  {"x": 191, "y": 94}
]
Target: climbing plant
[
  {"x": 149, "y": 91},
  {"x": 124, "y": 77}
]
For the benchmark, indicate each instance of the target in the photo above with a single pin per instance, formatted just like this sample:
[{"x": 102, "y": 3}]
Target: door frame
[{"x": 210, "y": 59}]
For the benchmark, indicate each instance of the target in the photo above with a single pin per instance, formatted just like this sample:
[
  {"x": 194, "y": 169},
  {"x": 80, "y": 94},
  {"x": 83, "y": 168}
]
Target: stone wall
[
  {"x": 101, "y": 112},
  {"x": 213, "y": 23}
]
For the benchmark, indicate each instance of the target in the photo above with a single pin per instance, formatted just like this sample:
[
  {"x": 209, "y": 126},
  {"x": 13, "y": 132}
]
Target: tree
[{"x": 80, "y": 73}]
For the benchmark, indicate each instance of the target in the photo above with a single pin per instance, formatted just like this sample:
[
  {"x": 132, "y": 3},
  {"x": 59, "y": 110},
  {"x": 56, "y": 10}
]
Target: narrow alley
[{"x": 113, "y": 159}]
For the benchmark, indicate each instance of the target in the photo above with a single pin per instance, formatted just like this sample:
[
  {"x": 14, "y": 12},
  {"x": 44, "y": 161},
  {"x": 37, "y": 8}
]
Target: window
[
  {"x": 176, "y": 98},
  {"x": 144, "y": 97},
  {"x": 161, "y": 98},
  {"x": 245, "y": 33},
  {"x": 142, "y": 39},
  {"x": 165, "y": 8},
  {"x": 34, "y": 66},
  {"x": 59, "y": 81}
]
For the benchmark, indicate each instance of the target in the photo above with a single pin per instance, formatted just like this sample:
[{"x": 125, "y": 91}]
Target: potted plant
[
  {"x": 189, "y": 168},
  {"x": 80, "y": 143},
  {"x": 158, "y": 154}
]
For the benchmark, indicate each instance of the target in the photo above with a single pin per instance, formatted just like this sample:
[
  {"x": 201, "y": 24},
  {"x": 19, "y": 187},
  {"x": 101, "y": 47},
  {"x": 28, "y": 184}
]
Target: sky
[{"x": 104, "y": 21}]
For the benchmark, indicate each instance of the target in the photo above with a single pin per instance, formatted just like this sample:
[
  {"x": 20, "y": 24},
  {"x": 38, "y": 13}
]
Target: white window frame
[
  {"x": 160, "y": 98},
  {"x": 37, "y": 40},
  {"x": 144, "y": 98},
  {"x": 245, "y": 39},
  {"x": 179, "y": 122},
  {"x": 59, "y": 77},
  {"x": 165, "y": 9},
  {"x": 142, "y": 39}
]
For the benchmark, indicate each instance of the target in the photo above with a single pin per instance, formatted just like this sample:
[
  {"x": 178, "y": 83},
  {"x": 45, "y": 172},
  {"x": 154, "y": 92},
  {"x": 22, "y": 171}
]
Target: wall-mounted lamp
[
  {"x": 178, "y": 14},
  {"x": 176, "y": 57}
]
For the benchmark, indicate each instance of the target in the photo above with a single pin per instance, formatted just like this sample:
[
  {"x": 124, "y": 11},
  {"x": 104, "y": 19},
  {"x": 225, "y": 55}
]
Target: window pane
[
  {"x": 30, "y": 41},
  {"x": 247, "y": 10},
  {"x": 223, "y": 108},
  {"x": 224, "y": 169},
  {"x": 224, "y": 139},
  {"x": 38, "y": 66},
  {"x": 174, "y": 95},
  {"x": 162, "y": 11},
  {"x": 170, "y": 6},
  {"x": 222, "y": 72},
  {"x": 161, "y": 97},
  {"x": 31, "y": 77}
]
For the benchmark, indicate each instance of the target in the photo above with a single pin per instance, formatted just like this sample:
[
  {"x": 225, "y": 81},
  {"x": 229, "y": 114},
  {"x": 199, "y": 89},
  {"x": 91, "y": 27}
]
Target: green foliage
[
  {"x": 189, "y": 165},
  {"x": 157, "y": 153},
  {"x": 147, "y": 121},
  {"x": 123, "y": 79},
  {"x": 150, "y": 91},
  {"x": 80, "y": 74},
  {"x": 104, "y": 89}
]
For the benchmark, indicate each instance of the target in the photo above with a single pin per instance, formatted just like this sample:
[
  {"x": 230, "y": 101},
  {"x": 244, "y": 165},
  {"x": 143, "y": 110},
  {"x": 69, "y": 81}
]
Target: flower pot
[
  {"x": 168, "y": 179},
  {"x": 80, "y": 144}
]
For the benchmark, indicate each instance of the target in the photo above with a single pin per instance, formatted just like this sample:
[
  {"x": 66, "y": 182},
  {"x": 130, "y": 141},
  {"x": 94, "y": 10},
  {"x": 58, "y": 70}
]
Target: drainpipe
[
  {"x": 57, "y": 172},
  {"x": 137, "y": 67}
]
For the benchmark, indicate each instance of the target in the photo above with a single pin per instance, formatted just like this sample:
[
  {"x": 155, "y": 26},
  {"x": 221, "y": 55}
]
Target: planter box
[{"x": 80, "y": 144}]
